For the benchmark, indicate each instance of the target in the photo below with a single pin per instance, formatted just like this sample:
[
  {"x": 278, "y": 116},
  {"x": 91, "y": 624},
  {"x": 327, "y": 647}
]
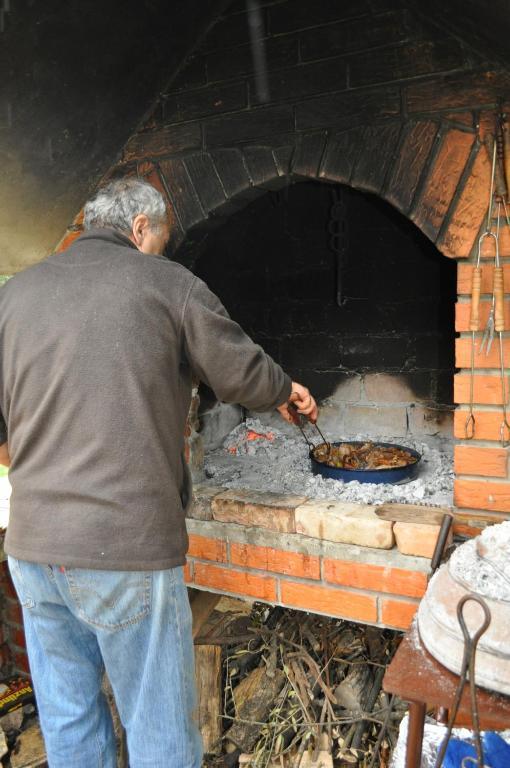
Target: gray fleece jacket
[{"x": 98, "y": 347}]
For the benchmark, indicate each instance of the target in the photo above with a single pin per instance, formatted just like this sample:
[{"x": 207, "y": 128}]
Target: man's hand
[
  {"x": 5, "y": 459},
  {"x": 304, "y": 403}
]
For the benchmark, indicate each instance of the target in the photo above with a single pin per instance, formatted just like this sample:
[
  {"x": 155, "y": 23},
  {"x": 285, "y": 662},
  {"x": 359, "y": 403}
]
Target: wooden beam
[
  {"x": 208, "y": 681},
  {"x": 202, "y": 605}
]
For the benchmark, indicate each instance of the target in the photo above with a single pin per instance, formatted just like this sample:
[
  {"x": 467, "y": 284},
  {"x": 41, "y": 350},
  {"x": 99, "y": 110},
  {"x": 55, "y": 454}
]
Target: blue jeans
[{"x": 137, "y": 626}]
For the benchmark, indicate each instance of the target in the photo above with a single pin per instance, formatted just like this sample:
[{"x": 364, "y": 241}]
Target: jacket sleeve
[{"x": 225, "y": 358}]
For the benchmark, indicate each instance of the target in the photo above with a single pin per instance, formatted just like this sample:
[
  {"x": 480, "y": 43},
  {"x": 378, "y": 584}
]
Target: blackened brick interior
[{"x": 273, "y": 266}]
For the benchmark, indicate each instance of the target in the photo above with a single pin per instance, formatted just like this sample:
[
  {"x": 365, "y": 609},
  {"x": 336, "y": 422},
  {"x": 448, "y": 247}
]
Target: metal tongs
[
  {"x": 467, "y": 673},
  {"x": 299, "y": 420}
]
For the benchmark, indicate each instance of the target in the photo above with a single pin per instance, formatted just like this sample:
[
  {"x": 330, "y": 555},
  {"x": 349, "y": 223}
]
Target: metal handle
[
  {"x": 297, "y": 417},
  {"x": 468, "y": 667},
  {"x": 442, "y": 537},
  {"x": 499, "y": 291}
]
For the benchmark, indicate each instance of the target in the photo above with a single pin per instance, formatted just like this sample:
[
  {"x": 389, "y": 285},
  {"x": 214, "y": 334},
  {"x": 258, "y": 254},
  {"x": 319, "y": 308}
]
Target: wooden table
[{"x": 415, "y": 676}]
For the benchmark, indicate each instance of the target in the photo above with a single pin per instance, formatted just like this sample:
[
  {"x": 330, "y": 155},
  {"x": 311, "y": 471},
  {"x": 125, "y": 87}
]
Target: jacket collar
[{"x": 107, "y": 235}]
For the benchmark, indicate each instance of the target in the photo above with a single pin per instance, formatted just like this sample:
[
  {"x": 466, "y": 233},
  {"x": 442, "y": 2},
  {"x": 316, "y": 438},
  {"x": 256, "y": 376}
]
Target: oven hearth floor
[{"x": 250, "y": 459}]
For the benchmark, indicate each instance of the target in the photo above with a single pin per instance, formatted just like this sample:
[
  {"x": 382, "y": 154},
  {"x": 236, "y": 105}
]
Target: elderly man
[{"x": 98, "y": 346}]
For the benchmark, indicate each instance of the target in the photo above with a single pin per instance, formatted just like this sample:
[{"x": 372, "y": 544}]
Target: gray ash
[{"x": 263, "y": 458}]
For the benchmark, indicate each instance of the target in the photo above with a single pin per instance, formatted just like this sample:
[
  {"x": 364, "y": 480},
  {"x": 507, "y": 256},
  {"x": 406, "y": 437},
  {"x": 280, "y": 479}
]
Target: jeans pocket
[
  {"x": 110, "y": 599},
  {"x": 24, "y": 596}
]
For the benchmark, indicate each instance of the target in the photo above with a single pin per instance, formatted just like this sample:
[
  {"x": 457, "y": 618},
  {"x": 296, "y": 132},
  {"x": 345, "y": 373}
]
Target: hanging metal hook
[
  {"x": 474, "y": 320},
  {"x": 488, "y": 334}
]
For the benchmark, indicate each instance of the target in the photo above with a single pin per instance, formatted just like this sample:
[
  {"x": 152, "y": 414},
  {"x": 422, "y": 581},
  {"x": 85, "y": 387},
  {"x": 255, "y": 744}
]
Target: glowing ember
[{"x": 249, "y": 436}]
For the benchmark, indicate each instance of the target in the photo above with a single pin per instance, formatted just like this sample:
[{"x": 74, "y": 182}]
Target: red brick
[
  {"x": 482, "y": 494},
  {"x": 417, "y": 539},
  {"x": 469, "y": 211},
  {"x": 490, "y": 462},
  {"x": 164, "y": 141},
  {"x": 13, "y": 613},
  {"x": 17, "y": 637},
  {"x": 268, "y": 559},
  {"x": 488, "y": 246},
  {"x": 487, "y": 424},
  {"x": 409, "y": 163},
  {"x": 397, "y": 613},
  {"x": 442, "y": 182},
  {"x": 7, "y": 587},
  {"x": 10, "y": 590},
  {"x": 466, "y": 529},
  {"x": 5, "y": 578},
  {"x": 487, "y": 390},
  {"x": 375, "y": 577},
  {"x": 333, "y": 602},
  {"x": 473, "y": 523},
  {"x": 20, "y": 660},
  {"x": 238, "y": 582},
  {"x": 465, "y": 273},
  {"x": 188, "y": 573},
  {"x": 207, "y": 549},
  {"x": 68, "y": 240},
  {"x": 482, "y": 360},
  {"x": 464, "y": 118},
  {"x": 5, "y": 655},
  {"x": 463, "y": 312}
]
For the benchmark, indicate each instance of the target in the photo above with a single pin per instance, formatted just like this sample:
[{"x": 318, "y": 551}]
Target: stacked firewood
[{"x": 295, "y": 690}]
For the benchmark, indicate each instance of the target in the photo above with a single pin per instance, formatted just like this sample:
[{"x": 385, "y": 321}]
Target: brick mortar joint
[
  {"x": 484, "y": 480},
  {"x": 307, "y": 581},
  {"x": 323, "y": 561},
  {"x": 299, "y": 543}
]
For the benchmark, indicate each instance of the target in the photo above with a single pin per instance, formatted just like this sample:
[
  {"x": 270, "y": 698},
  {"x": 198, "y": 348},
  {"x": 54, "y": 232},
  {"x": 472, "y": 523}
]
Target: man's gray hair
[{"x": 118, "y": 203}]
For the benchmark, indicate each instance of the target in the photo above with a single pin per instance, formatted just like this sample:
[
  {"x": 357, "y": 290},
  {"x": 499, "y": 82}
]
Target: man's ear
[{"x": 139, "y": 229}]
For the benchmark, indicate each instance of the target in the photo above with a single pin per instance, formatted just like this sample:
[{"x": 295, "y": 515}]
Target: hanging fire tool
[
  {"x": 338, "y": 241},
  {"x": 496, "y": 319},
  {"x": 501, "y": 194},
  {"x": 467, "y": 676}
]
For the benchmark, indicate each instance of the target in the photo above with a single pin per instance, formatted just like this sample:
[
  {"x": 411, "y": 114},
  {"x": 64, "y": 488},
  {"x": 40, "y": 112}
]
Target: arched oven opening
[{"x": 357, "y": 304}]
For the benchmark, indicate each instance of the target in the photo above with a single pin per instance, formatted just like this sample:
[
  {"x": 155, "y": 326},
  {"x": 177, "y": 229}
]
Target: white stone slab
[{"x": 344, "y": 522}]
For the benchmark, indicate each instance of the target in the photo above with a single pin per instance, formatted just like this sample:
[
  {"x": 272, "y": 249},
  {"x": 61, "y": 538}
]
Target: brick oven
[
  {"x": 350, "y": 297},
  {"x": 338, "y": 217}
]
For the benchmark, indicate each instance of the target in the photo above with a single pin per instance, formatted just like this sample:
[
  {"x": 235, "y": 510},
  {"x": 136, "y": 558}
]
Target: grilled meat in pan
[{"x": 366, "y": 456}]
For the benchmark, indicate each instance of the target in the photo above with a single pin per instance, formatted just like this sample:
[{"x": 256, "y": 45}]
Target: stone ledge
[
  {"x": 306, "y": 545},
  {"x": 203, "y": 495},
  {"x": 344, "y": 522},
  {"x": 418, "y": 538},
  {"x": 325, "y": 520},
  {"x": 257, "y": 508}
]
